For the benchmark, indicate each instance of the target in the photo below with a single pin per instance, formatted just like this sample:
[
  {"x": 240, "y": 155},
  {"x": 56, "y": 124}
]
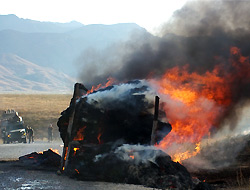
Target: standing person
[
  {"x": 50, "y": 133},
  {"x": 30, "y": 134},
  {"x": 3, "y": 132}
]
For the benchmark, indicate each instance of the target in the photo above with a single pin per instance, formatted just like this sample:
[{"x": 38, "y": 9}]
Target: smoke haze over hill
[{"x": 52, "y": 45}]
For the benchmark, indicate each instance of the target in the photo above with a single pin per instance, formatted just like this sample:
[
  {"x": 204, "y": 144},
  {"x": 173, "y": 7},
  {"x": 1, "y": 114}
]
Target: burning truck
[
  {"x": 201, "y": 70},
  {"x": 109, "y": 135}
]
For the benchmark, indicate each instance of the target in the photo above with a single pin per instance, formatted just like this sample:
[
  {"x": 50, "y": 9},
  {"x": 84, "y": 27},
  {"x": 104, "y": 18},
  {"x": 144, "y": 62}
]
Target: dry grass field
[{"x": 37, "y": 110}]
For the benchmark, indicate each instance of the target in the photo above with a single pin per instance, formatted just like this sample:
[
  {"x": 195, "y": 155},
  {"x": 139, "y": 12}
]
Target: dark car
[{"x": 15, "y": 133}]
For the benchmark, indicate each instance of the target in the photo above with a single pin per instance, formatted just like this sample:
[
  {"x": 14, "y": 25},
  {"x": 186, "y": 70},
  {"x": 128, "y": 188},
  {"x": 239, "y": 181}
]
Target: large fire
[{"x": 195, "y": 103}]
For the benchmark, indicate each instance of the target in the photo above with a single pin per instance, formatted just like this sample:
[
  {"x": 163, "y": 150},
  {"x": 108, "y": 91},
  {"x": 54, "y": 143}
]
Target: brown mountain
[{"x": 20, "y": 75}]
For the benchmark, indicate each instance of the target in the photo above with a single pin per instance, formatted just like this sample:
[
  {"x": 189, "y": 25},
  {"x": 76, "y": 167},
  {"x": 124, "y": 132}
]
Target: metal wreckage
[
  {"x": 12, "y": 127},
  {"x": 109, "y": 135}
]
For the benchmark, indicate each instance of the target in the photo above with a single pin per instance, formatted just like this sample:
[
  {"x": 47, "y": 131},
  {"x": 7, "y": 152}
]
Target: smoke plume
[
  {"x": 199, "y": 35},
  {"x": 204, "y": 37}
]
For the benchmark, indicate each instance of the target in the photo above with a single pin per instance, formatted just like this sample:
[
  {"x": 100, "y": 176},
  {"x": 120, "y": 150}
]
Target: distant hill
[
  {"x": 20, "y": 75},
  {"x": 58, "y": 50},
  {"x": 40, "y": 56},
  {"x": 12, "y": 22}
]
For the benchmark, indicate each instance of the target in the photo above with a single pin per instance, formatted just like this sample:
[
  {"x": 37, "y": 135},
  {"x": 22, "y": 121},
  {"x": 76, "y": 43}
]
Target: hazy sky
[{"x": 147, "y": 13}]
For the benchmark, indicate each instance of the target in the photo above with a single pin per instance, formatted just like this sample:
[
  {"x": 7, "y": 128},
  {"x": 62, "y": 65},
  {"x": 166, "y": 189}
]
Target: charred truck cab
[{"x": 12, "y": 127}]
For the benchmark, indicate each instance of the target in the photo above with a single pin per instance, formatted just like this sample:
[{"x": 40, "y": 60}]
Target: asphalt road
[
  {"x": 13, "y": 176},
  {"x": 14, "y": 151}
]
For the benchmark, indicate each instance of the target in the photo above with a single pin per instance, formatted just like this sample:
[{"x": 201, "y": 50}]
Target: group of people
[
  {"x": 12, "y": 128},
  {"x": 30, "y": 133}
]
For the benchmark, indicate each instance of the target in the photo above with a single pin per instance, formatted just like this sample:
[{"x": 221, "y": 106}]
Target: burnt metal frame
[
  {"x": 69, "y": 144},
  {"x": 67, "y": 148}
]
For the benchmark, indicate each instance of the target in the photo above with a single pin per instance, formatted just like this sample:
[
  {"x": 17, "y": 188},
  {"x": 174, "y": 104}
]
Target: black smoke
[{"x": 199, "y": 35}]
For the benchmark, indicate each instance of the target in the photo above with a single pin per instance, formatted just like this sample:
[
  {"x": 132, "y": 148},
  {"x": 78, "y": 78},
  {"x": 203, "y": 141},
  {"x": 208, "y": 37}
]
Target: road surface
[
  {"x": 14, "y": 151},
  {"x": 13, "y": 176}
]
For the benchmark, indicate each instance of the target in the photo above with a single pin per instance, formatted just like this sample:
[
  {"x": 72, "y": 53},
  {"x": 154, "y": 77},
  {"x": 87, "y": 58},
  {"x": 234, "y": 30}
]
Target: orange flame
[
  {"x": 55, "y": 150},
  {"x": 77, "y": 171},
  {"x": 178, "y": 157},
  {"x": 131, "y": 156},
  {"x": 94, "y": 88},
  {"x": 65, "y": 156},
  {"x": 75, "y": 149},
  {"x": 99, "y": 138},
  {"x": 79, "y": 136},
  {"x": 194, "y": 103}
]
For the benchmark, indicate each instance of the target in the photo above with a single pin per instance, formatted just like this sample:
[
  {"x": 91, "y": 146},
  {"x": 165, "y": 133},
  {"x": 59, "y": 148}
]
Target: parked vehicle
[{"x": 12, "y": 127}]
